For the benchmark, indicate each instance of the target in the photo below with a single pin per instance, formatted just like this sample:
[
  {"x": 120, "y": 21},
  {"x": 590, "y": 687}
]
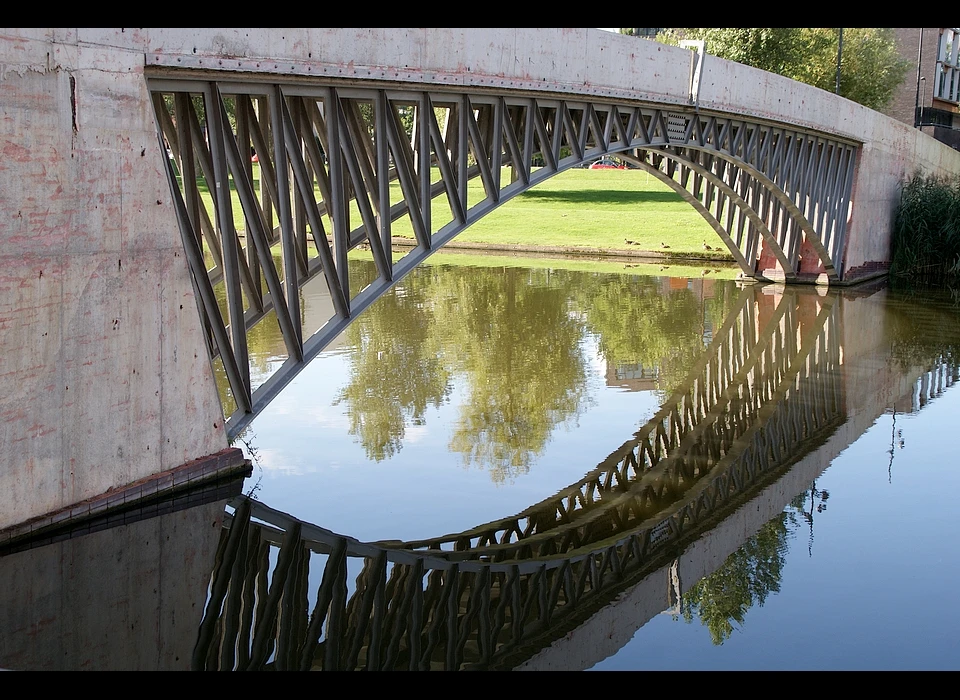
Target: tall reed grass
[{"x": 926, "y": 231}]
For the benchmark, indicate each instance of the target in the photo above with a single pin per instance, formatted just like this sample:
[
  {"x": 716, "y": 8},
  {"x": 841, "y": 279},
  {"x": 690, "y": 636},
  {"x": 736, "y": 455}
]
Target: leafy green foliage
[
  {"x": 774, "y": 49},
  {"x": 230, "y": 104},
  {"x": 871, "y": 68},
  {"x": 926, "y": 229}
]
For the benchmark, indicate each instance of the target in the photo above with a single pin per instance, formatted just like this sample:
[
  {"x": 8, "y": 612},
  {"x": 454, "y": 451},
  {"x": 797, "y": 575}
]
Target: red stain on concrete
[{"x": 12, "y": 151}]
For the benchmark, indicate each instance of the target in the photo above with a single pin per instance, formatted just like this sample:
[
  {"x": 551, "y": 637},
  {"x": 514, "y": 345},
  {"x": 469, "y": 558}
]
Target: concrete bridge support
[{"x": 104, "y": 373}]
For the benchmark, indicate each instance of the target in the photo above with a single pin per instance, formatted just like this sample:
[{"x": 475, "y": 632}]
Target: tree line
[{"x": 871, "y": 68}]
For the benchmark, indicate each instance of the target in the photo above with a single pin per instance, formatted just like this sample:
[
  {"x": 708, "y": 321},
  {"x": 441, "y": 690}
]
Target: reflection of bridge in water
[
  {"x": 786, "y": 386},
  {"x": 765, "y": 393}
]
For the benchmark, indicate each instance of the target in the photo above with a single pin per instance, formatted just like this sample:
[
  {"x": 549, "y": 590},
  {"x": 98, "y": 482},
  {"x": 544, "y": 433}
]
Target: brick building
[{"x": 937, "y": 87}]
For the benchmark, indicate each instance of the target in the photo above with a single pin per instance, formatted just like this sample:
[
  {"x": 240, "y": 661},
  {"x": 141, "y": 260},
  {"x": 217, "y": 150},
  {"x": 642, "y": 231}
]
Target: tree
[{"x": 871, "y": 69}]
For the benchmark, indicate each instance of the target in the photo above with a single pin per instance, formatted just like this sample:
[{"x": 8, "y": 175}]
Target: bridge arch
[
  {"x": 328, "y": 154},
  {"x": 700, "y": 198}
]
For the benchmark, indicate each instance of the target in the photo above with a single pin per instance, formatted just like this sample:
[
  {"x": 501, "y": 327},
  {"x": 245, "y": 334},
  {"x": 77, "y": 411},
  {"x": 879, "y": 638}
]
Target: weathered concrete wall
[{"x": 104, "y": 377}]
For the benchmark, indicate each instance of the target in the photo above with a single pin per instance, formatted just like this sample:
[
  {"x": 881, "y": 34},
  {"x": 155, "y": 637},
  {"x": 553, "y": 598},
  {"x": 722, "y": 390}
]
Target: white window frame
[{"x": 947, "y": 80}]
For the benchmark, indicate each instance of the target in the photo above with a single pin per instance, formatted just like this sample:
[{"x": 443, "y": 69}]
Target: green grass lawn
[
  {"x": 597, "y": 209},
  {"x": 578, "y": 208}
]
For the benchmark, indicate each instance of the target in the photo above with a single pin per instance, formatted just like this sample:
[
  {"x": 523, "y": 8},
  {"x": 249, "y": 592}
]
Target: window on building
[{"x": 948, "y": 66}]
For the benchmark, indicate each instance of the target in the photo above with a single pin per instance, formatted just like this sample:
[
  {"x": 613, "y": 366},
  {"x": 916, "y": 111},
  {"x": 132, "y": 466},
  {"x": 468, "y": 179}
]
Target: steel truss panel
[{"x": 325, "y": 151}]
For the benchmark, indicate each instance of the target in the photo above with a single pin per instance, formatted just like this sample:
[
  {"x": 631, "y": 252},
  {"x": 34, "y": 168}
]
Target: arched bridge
[
  {"x": 108, "y": 253},
  {"x": 343, "y": 155},
  {"x": 323, "y": 150}
]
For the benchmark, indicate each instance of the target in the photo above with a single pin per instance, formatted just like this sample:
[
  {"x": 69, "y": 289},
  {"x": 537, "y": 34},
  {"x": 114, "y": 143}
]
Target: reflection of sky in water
[
  {"x": 876, "y": 592},
  {"x": 313, "y": 469}
]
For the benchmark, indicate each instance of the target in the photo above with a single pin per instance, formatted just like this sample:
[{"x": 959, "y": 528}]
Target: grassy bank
[
  {"x": 692, "y": 269},
  {"x": 599, "y": 209}
]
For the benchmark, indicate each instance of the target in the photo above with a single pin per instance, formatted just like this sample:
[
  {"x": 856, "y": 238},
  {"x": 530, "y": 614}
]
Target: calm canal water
[{"x": 790, "y": 503}]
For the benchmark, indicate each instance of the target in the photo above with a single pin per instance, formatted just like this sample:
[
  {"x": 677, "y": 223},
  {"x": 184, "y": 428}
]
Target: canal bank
[
  {"x": 664, "y": 255},
  {"x": 676, "y": 262}
]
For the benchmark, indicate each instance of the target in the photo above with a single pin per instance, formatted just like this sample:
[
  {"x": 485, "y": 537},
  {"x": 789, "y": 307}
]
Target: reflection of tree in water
[
  {"x": 747, "y": 577},
  {"x": 396, "y": 368},
  {"x": 923, "y": 323},
  {"x": 519, "y": 349},
  {"x": 515, "y": 336},
  {"x": 504, "y": 329},
  {"x": 637, "y": 322}
]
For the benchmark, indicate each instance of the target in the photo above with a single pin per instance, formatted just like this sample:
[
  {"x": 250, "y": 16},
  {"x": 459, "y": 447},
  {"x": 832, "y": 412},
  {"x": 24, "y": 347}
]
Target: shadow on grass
[{"x": 600, "y": 197}]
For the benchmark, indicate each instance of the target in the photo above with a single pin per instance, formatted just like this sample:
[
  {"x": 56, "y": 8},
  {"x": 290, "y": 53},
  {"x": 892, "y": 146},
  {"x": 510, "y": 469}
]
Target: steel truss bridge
[
  {"x": 766, "y": 392},
  {"x": 329, "y": 155}
]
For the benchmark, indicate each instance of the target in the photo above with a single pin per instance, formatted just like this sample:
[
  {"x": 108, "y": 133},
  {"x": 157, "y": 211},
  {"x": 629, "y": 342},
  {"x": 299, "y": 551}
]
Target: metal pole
[
  {"x": 916, "y": 108},
  {"x": 923, "y": 99},
  {"x": 839, "y": 55}
]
